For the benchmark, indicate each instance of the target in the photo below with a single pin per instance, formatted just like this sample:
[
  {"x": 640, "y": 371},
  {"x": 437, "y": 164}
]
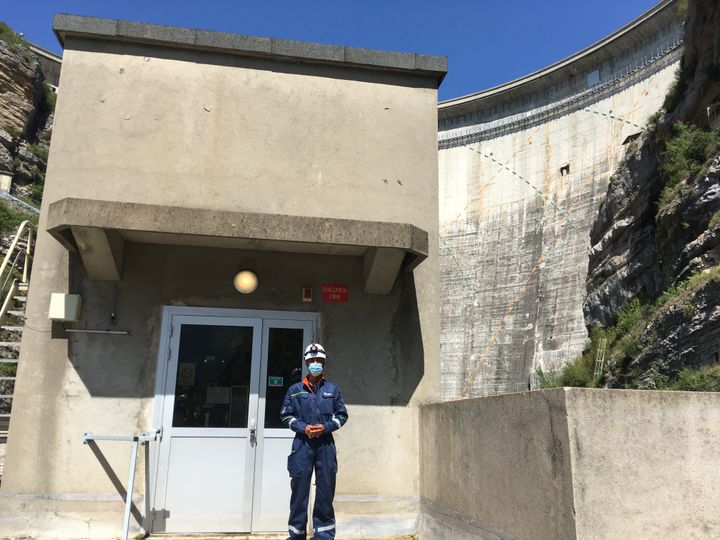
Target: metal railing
[
  {"x": 134, "y": 440},
  {"x": 24, "y": 227},
  {"x": 17, "y": 252}
]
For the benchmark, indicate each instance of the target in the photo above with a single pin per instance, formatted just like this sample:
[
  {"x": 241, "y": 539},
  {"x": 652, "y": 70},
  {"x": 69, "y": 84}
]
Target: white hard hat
[{"x": 314, "y": 350}]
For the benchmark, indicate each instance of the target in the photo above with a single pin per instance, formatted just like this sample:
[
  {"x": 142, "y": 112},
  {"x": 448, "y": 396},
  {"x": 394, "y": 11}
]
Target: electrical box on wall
[{"x": 64, "y": 307}]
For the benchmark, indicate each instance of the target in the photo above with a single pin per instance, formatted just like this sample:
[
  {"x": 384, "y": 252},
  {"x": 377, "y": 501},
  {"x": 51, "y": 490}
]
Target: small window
[
  {"x": 593, "y": 78},
  {"x": 565, "y": 169}
]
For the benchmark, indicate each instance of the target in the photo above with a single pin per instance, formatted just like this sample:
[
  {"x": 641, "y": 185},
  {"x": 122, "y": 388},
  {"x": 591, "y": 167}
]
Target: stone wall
[
  {"x": 523, "y": 169},
  {"x": 572, "y": 463}
]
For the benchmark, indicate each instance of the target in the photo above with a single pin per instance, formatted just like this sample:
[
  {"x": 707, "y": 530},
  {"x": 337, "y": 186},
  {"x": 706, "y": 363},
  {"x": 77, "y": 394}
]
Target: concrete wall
[
  {"x": 514, "y": 229},
  {"x": 572, "y": 463},
  {"x": 136, "y": 123}
]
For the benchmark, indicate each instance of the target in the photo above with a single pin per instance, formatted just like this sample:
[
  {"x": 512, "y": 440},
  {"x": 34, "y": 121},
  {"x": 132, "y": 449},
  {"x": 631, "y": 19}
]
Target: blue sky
[{"x": 488, "y": 42}]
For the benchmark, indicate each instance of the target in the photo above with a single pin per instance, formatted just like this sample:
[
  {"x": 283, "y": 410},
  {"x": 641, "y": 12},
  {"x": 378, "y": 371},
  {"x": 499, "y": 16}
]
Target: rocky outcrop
[
  {"x": 683, "y": 335},
  {"x": 622, "y": 238},
  {"x": 26, "y": 104},
  {"x": 21, "y": 88},
  {"x": 656, "y": 239},
  {"x": 699, "y": 82}
]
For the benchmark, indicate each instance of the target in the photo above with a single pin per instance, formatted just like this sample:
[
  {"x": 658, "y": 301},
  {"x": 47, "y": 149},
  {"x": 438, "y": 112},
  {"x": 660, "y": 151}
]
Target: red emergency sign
[{"x": 334, "y": 293}]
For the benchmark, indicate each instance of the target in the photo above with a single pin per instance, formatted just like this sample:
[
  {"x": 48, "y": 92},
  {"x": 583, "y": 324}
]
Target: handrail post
[
  {"x": 8, "y": 299},
  {"x": 14, "y": 244},
  {"x": 28, "y": 248}
]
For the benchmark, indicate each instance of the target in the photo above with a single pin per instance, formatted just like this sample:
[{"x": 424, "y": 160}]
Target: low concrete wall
[{"x": 572, "y": 463}]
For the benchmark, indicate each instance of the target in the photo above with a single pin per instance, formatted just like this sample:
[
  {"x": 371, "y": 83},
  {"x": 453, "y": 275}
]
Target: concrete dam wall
[{"x": 523, "y": 168}]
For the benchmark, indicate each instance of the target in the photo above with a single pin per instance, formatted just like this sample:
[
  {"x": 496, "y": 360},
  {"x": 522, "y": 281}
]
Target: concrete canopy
[{"x": 98, "y": 230}]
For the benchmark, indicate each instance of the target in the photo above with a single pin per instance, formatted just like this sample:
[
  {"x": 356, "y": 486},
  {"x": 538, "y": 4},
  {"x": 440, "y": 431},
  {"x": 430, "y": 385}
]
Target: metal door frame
[{"x": 161, "y": 373}]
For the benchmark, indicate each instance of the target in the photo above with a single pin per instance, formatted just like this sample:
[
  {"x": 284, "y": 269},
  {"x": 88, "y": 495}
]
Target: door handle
[{"x": 253, "y": 432}]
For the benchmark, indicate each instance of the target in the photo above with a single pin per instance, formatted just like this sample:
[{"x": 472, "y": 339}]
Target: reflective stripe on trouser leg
[
  {"x": 297, "y": 523},
  {"x": 323, "y": 513},
  {"x": 300, "y": 466}
]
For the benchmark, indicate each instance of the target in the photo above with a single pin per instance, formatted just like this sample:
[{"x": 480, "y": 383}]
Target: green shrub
[
  {"x": 629, "y": 315},
  {"x": 689, "y": 310},
  {"x": 547, "y": 379},
  {"x": 47, "y": 101},
  {"x": 714, "y": 221},
  {"x": 9, "y": 36},
  {"x": 704, "y": 379},
  {"x": 39, "y": 152},
  {"x": 14, "y": 133},
  {"x": 11, "y": 218},
  {"x": 35, "y": 191},
  {"x": 686, "y": 151}
]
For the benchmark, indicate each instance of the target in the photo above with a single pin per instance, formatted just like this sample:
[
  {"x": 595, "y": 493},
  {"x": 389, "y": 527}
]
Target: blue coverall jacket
[{"x": 306, "y": 405}]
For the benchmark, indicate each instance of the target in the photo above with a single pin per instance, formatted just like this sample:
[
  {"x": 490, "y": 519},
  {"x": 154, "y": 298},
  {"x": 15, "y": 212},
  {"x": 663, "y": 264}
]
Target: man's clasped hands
[{"x": 314, "y": 431}]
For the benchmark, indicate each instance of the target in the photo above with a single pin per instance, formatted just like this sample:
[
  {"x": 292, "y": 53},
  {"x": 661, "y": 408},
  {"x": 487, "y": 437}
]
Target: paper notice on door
[
  {"x": 186, "y": 374},
  {"x": 217, "y": 395}
]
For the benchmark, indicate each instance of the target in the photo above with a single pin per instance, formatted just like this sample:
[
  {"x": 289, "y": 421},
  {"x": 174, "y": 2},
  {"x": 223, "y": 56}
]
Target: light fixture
[{"x": 245, "y": 281}]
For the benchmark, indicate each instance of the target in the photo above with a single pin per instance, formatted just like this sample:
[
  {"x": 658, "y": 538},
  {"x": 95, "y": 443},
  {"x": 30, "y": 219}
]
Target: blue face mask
[{"x": 315, "y": 368}]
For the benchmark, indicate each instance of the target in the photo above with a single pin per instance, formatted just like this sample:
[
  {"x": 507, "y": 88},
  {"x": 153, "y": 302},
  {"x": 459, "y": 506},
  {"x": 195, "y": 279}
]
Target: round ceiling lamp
[{"x": 245, "y": 281}]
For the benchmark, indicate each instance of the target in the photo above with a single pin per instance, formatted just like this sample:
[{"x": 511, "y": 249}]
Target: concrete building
[
  {"x": 179, "y": 158},
  {"x": 523, "y": 168}
]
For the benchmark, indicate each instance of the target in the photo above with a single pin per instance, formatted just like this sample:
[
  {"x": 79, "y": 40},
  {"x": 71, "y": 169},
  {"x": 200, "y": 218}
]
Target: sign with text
[{"x": 334, "y": 293}]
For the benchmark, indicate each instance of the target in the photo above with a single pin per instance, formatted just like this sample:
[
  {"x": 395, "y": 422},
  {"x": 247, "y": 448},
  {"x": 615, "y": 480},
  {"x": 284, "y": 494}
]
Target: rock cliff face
[
  {"x": 26, "y": 104},
  {"x": 21, "y": 87},
  {"x": 699, "y": 84},
  {"x": 654, "y": 274}
]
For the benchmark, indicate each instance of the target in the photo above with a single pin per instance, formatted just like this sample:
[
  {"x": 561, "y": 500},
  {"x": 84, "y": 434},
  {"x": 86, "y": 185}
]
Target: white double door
[{"x": 221, "y": 462}]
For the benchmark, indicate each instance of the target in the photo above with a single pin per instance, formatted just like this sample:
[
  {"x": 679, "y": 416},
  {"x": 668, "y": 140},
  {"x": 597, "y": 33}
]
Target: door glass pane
[
  {"x": 285, "y": 348},
  {"x": 213, "y": 376}
]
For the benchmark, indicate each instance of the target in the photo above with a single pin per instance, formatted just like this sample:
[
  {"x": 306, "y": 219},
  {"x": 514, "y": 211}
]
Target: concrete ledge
[
  {"x": 572, "y": 463},
  {"x": 129, "y": 31},
  {"x": 97, "y": 230}
]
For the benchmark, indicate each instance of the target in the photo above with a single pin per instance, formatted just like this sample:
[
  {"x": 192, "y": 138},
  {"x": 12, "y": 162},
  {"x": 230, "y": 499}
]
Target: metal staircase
[{"x": 14, "y": 277}]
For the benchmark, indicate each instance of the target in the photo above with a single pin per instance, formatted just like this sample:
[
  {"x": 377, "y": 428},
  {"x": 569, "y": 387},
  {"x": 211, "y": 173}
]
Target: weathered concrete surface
[
  {"x": 645, "y": 464},
  {"x": 314, "y": 144},
  {"x": 502, "y": 462},
  {"x": 572, "y": 463},
  {"x": 514, "y": 228}
]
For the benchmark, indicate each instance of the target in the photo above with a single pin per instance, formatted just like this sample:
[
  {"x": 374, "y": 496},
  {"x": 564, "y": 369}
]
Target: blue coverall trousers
[{"x": 306, "y": 455}]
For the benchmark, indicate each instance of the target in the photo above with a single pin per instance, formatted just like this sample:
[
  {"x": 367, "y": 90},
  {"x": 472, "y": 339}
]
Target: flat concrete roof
[{"x": 66, "y": 25}]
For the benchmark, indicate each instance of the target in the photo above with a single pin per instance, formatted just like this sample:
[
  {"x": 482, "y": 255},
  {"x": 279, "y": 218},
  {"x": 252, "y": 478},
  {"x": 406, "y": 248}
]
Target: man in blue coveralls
[{"x": 313, "y": 409}]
